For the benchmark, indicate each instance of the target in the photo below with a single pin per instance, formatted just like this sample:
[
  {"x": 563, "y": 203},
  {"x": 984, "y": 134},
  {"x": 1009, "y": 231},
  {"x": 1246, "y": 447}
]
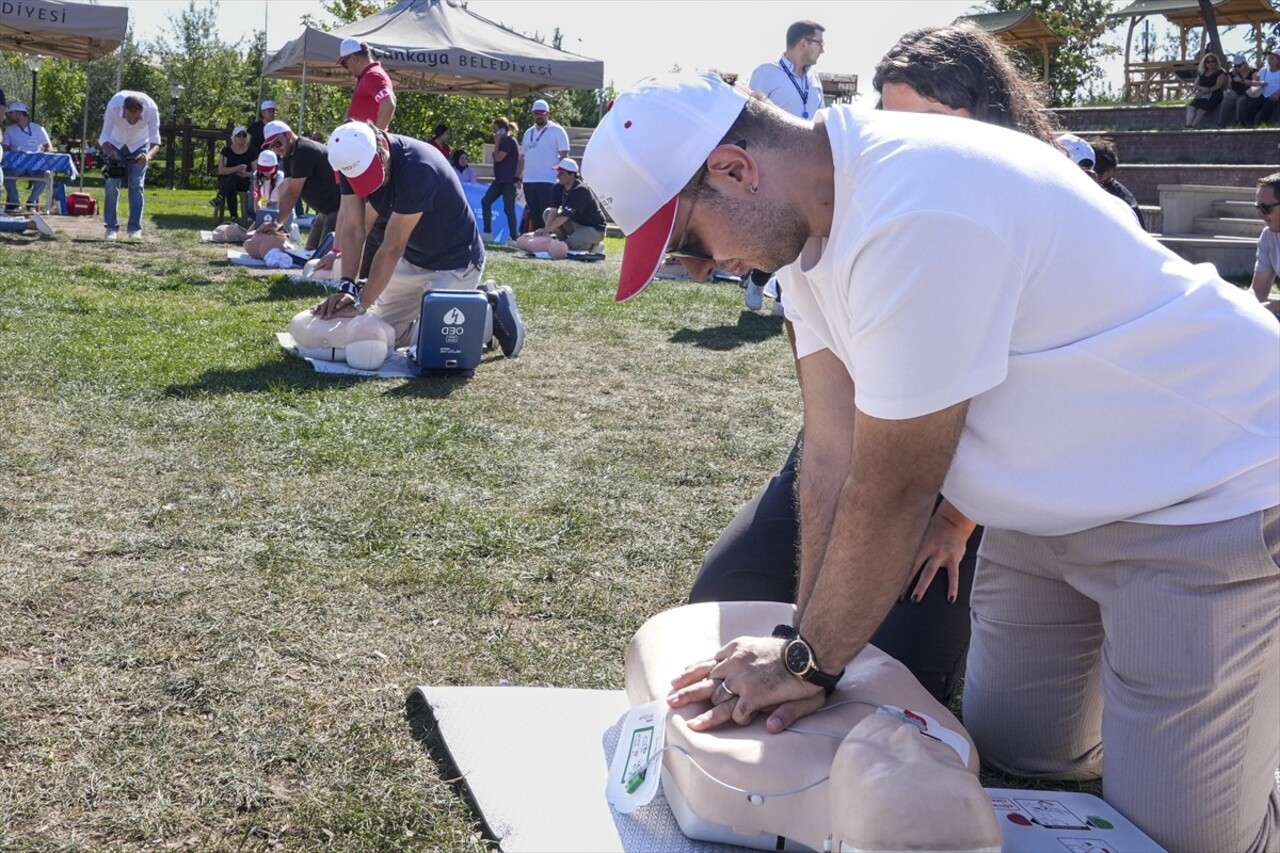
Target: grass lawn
[{"x": 221, "y": 572}]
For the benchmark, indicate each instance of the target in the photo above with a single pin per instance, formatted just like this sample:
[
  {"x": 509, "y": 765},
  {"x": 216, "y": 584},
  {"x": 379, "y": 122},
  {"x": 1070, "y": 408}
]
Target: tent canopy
[
  {"x": 439, "y": 46},
  {"x": 1186, "y": 13},
  {"x": 81, "y": 31}
]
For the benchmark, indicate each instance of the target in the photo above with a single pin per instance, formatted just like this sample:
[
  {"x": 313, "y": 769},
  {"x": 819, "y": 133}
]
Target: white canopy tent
[
  {"x": 83, "y": 31},
  {"x": 439, "y": 46}
]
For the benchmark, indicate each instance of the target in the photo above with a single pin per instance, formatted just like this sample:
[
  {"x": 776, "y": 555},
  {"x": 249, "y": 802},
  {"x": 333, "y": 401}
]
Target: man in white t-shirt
[
  {"x": 792, "y": 84},
  {"x": 1266, "y": 268},
  {"x": 1262, "y": 103},
  {"x": 23, "y": 135},
  {"x": 542, "y": 147},
  {"x": 1109, "y": 411},
  {"x": 130, "y": 138}
]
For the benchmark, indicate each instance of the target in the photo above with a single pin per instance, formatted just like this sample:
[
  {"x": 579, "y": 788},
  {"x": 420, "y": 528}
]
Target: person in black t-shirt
[
  {"x": 235, "y": 167},
  {"x": 266, "y": 114},
  {"x": 506, "y": 157},
  {"x": 308, "y": 175},
  {"x": 574, "y": 221},
  {"x": 431, "y": 239}
]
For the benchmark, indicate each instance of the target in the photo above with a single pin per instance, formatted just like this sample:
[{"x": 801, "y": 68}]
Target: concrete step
[
  {"x": 1231, "y": 255},
  {"x": 1237, "y": 209},
  {"x": 1144, "y": 180},
  {"x": 1233, "y": 146},
  {"x": 1224, "y": 226}
]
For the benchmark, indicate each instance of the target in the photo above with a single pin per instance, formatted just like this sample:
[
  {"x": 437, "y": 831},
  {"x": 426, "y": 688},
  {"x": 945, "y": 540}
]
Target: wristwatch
[{"x": 798, "y": 658}]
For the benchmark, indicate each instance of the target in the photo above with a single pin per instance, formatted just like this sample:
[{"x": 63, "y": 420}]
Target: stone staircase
[{"x": 1195, "y": 187}]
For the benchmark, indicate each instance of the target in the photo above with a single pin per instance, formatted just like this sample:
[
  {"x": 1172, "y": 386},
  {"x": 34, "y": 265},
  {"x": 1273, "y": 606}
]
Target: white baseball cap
[
  {"x": 568, "y": 164},
  {"x": 272, "y": 130},
  {"x": 540, "y": 106},
  {"x": 647, "y": 147},
  {"x": 267, "y": 162},
  {"x": 1076, "y": 148},
  {"x": 1238, "y": 59},
  {"x": 350, "y": 47},
  {"x": 18, "y": 107},
  {"x": 267, "y": 105},
  {"x": 353, "y": 151}
]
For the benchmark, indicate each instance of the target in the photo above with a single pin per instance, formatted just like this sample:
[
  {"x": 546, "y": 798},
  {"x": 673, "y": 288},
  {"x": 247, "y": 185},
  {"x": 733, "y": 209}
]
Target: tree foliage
[{"x": 1076, "y": 63}]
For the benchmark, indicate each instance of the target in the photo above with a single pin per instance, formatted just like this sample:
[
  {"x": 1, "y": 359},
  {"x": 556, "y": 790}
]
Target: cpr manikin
[
  {"x": 883, "y": 766},
  {"x": 362, "y": 341}
]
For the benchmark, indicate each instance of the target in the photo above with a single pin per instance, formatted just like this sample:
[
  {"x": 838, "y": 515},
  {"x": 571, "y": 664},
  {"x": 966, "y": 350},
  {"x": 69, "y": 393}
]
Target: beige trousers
[
  {"x": 1147, "y": 654},
  {"x": 400, "y": 303}
]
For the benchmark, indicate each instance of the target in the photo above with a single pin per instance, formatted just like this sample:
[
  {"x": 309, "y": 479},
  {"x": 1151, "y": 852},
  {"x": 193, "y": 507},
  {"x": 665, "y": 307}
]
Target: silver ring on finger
[{"x": 728, "y": 691}]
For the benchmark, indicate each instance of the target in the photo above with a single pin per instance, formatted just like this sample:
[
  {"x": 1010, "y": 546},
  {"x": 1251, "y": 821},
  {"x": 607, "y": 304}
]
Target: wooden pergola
[
  {"x": 1021, "y": 30},
  {"x": 1162, "y": 80}
]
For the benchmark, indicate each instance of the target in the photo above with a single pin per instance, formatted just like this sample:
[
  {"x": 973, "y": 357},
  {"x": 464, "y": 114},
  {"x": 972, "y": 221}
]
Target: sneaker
[
  {"x": 754, "y": 297},
  {"x": 508, "y": 328},
  {"x": 135, "y": 234},
  {"x": 110, "y": 236},
  {"x": 41, "y": 225},
  {"x": 777, "y": 308}
]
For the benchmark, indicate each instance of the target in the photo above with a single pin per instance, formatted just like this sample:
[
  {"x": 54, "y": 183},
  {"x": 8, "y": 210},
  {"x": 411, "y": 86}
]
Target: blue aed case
[{"x": 451, "y": 331}]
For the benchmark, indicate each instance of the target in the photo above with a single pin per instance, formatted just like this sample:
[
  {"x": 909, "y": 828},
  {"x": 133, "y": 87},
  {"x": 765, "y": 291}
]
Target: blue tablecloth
[{"x": 19, "y": 164}]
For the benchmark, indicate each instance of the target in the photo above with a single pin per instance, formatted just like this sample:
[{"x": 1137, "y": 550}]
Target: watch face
[{"x": 799, "y": 657}]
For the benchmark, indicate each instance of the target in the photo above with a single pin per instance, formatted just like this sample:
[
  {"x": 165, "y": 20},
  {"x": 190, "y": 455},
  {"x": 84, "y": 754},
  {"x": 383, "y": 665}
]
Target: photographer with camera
[{"x": 130, "y": 138}]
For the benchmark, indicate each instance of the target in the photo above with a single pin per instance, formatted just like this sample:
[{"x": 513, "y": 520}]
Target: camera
[{"x": 114, "y": 167}]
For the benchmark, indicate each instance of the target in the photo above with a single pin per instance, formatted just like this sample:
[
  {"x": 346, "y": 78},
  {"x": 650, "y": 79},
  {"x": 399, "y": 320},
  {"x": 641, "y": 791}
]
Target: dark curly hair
[{"x": 964, "y": 67}]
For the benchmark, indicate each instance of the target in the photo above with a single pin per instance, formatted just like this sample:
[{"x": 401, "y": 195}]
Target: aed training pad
[{"x": 535, "y": 761}]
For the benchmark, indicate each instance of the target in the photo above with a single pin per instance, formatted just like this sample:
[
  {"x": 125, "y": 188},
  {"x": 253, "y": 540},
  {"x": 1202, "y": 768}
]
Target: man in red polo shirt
[{"x": 374, "y": 98}]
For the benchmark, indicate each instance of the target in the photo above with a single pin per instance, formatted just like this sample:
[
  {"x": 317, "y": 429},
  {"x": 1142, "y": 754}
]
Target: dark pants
[
  {"x": 230, "y": 187},
  {"x": 372, "y": 240},
  {"x": 508, "y": 193},
  {"x": 320, "y": 228},
  {"x": 756, "y": 559},
  {"x": 1252, "y": 112},
  {"x": 537, "y": 198}
]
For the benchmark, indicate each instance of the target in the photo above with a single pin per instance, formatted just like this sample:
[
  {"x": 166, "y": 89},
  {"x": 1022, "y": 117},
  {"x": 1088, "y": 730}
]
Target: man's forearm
[
  {"x": 818, "y": 489},
  {"x": 869, "y": 553}
]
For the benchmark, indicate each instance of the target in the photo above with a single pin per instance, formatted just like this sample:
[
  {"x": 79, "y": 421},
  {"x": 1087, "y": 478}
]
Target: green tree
[
  {"x": 1074, "y": 65},
  {"x": 212, "y": 72}
]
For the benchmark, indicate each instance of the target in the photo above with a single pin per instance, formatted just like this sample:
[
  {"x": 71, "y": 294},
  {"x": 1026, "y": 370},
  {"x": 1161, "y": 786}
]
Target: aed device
[{"x": 451, "y": 332}]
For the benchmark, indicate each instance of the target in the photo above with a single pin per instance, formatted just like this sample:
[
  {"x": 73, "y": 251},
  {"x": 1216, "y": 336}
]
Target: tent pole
[
  {"x": 84, "y": 125},
  {"x": 302, "y": 104}
]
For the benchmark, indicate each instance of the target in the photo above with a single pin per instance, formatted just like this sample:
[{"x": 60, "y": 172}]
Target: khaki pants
[
  {"x": 1148, "y": 654},
  {"x": 578, "y": 238},
  {"x": 400, "y": 303}
]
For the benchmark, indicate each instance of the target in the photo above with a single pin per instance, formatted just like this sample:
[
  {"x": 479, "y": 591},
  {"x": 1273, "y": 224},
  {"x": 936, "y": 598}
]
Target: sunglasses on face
[{"x": 1265, "y": 209}]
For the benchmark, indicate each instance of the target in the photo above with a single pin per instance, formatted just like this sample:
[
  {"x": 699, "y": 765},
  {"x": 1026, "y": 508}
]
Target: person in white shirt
[
  {"x": 792, "y": 83},
  {"x": 973, "y": 317},
  {"x": 1262, "y": 99},
  {"x": 23, "y": 135},
  {"x": 542, "y": 148},
  {"x": 1266, "y": 267},
  {"x": 130, "y": 138}
]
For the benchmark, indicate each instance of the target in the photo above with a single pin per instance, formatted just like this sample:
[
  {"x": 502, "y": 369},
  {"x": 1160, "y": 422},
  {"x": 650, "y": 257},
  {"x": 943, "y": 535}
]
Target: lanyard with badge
[
  {"x": 533, "y": 140},
  {"x": 803, "y": 93}
]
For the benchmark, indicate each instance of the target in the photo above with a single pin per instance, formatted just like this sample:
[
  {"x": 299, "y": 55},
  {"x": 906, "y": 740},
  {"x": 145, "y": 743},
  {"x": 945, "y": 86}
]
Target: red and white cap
[
  {"x": 647, "y": 147},
  {"x": 272, "y": 129},
  {"x": 353, "y": 151},
  {"x": 568, "y": 164},
  {"x": 267, "y": 162}
]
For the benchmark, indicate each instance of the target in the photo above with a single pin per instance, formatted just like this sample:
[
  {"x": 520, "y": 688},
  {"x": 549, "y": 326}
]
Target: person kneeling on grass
[
  {"x": 431, "y": 239},
  {"x": 574, "y": 221}
]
